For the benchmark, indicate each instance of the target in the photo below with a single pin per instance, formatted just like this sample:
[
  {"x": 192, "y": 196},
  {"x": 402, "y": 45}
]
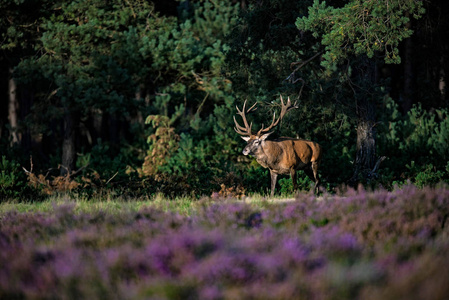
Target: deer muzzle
[{"x": 246, "y": 151}]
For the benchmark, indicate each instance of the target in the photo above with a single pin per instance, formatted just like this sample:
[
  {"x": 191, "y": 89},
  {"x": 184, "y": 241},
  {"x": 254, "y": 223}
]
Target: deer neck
[{"x": 268, "y": 154}]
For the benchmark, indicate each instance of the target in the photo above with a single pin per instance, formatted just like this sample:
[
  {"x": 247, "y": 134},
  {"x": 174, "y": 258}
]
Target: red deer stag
[{"x": 281, "y": 156}]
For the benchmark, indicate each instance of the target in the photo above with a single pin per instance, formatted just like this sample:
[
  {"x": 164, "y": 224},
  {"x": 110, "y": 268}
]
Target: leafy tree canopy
[{"x": 361, "y": 27}]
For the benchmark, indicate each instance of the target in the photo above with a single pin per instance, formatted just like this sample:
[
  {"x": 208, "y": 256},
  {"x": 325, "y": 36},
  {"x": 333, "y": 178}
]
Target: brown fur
[
  {"x": 285, "y": 156},
  {"x": 281, "y": 156}
]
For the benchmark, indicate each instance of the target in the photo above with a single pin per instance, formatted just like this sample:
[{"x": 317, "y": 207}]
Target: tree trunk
[
  {"x": 365, "y": 158},
  {"x": 442, "y": 81},
  {"x": 407, "y": 96},
  {"x": 13, "y": 107},
  {"x": 366, "y": 162},
  {"x": 26, "y": 103},
  {"x": 68, "y": 144}
]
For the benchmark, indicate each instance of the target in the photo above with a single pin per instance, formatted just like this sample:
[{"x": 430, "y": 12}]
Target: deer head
[{"x": 255, "y": 140}]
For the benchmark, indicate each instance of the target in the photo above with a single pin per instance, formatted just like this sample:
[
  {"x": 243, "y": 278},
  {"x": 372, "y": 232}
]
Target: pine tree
[
  {"x": 88, "y": 59},
  {"x": 368, "y": 30}
]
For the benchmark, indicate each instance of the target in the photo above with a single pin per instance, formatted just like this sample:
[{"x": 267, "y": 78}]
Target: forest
[
  {"x": 138, "y": 97},
  {"x": 123, "y": 174}
]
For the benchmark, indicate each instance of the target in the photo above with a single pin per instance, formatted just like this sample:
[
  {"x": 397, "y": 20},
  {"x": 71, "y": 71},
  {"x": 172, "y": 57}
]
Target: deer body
[{"x": 281, "y": 156}]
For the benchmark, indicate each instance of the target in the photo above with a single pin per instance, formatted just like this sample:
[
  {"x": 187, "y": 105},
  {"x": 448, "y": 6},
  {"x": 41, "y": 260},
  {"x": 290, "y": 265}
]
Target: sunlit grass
[{"x": 182, "y": 205}]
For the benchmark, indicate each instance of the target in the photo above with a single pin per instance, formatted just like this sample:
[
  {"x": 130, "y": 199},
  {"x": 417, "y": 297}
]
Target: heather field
[{"x": 360, "y": 245}]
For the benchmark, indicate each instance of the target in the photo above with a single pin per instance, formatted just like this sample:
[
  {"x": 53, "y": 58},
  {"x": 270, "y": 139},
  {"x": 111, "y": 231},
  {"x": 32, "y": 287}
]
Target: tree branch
[{"x": 291, "y": 77}]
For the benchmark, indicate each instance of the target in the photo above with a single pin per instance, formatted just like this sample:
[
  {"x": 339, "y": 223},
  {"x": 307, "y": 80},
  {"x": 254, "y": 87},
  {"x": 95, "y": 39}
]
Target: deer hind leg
[
  {"x": 293, "y": 176},
  {"x": 315, "y": 175},
  {"x": 274, "y": 177},
  {"x": 312, "y": 173}
]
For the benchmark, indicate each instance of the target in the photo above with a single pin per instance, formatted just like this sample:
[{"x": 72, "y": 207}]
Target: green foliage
[
  {"x": 18, "y": 29},
  {"x": 12, "y": 179},
  {"x": 265, "y": 43},
  {"x": 429, "y": 177},
  {"x": 361, "y": 27},
  {"x": 90, "y": 57},
  {"x": 414, "y": 144},
  {"x": 122, "y": 62},
  {"x": 355, "y": 35},
  {"x": 162, "y": 144},
  {"x": 440, "y": 136},
  {"x": 191, "y": 141},
  {"x": 305, "y": 184},
  {"x": 87, "y": 65},
  {"x": 9, "y": 178},
  {"x": 103, "y": 163}
]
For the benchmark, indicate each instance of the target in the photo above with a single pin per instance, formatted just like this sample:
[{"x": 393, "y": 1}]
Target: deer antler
[
  {"x": 247, "y": 129},
  {"x": 285, "y": 108}
]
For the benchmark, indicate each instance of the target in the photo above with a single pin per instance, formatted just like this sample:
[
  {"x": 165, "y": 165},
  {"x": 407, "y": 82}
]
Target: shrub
[
  {"x": 379, "y": 245},
  {"x": 415, "y": 144},
  {"x": 304, "y": 183},
  {"x": 12, "y": 179}
]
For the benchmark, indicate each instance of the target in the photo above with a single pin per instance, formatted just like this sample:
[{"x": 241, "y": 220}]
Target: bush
[
  {"x": 415, "y": 144},
  {"x": 429, "y": 176},
  {"x": 360, "y": 245},
  {"x": 12, "y": 180},
  {"x": 285, "y": 185}
]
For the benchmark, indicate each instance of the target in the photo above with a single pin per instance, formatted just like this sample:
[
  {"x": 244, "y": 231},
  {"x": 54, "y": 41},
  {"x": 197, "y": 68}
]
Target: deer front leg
[{"x": 274, "y": 177}]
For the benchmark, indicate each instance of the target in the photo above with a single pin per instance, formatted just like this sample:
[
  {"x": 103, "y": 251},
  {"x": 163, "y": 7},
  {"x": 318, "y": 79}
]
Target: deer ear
[
  {"x": 264, "y": 137},
  {"x": 246, "y": 138}
]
